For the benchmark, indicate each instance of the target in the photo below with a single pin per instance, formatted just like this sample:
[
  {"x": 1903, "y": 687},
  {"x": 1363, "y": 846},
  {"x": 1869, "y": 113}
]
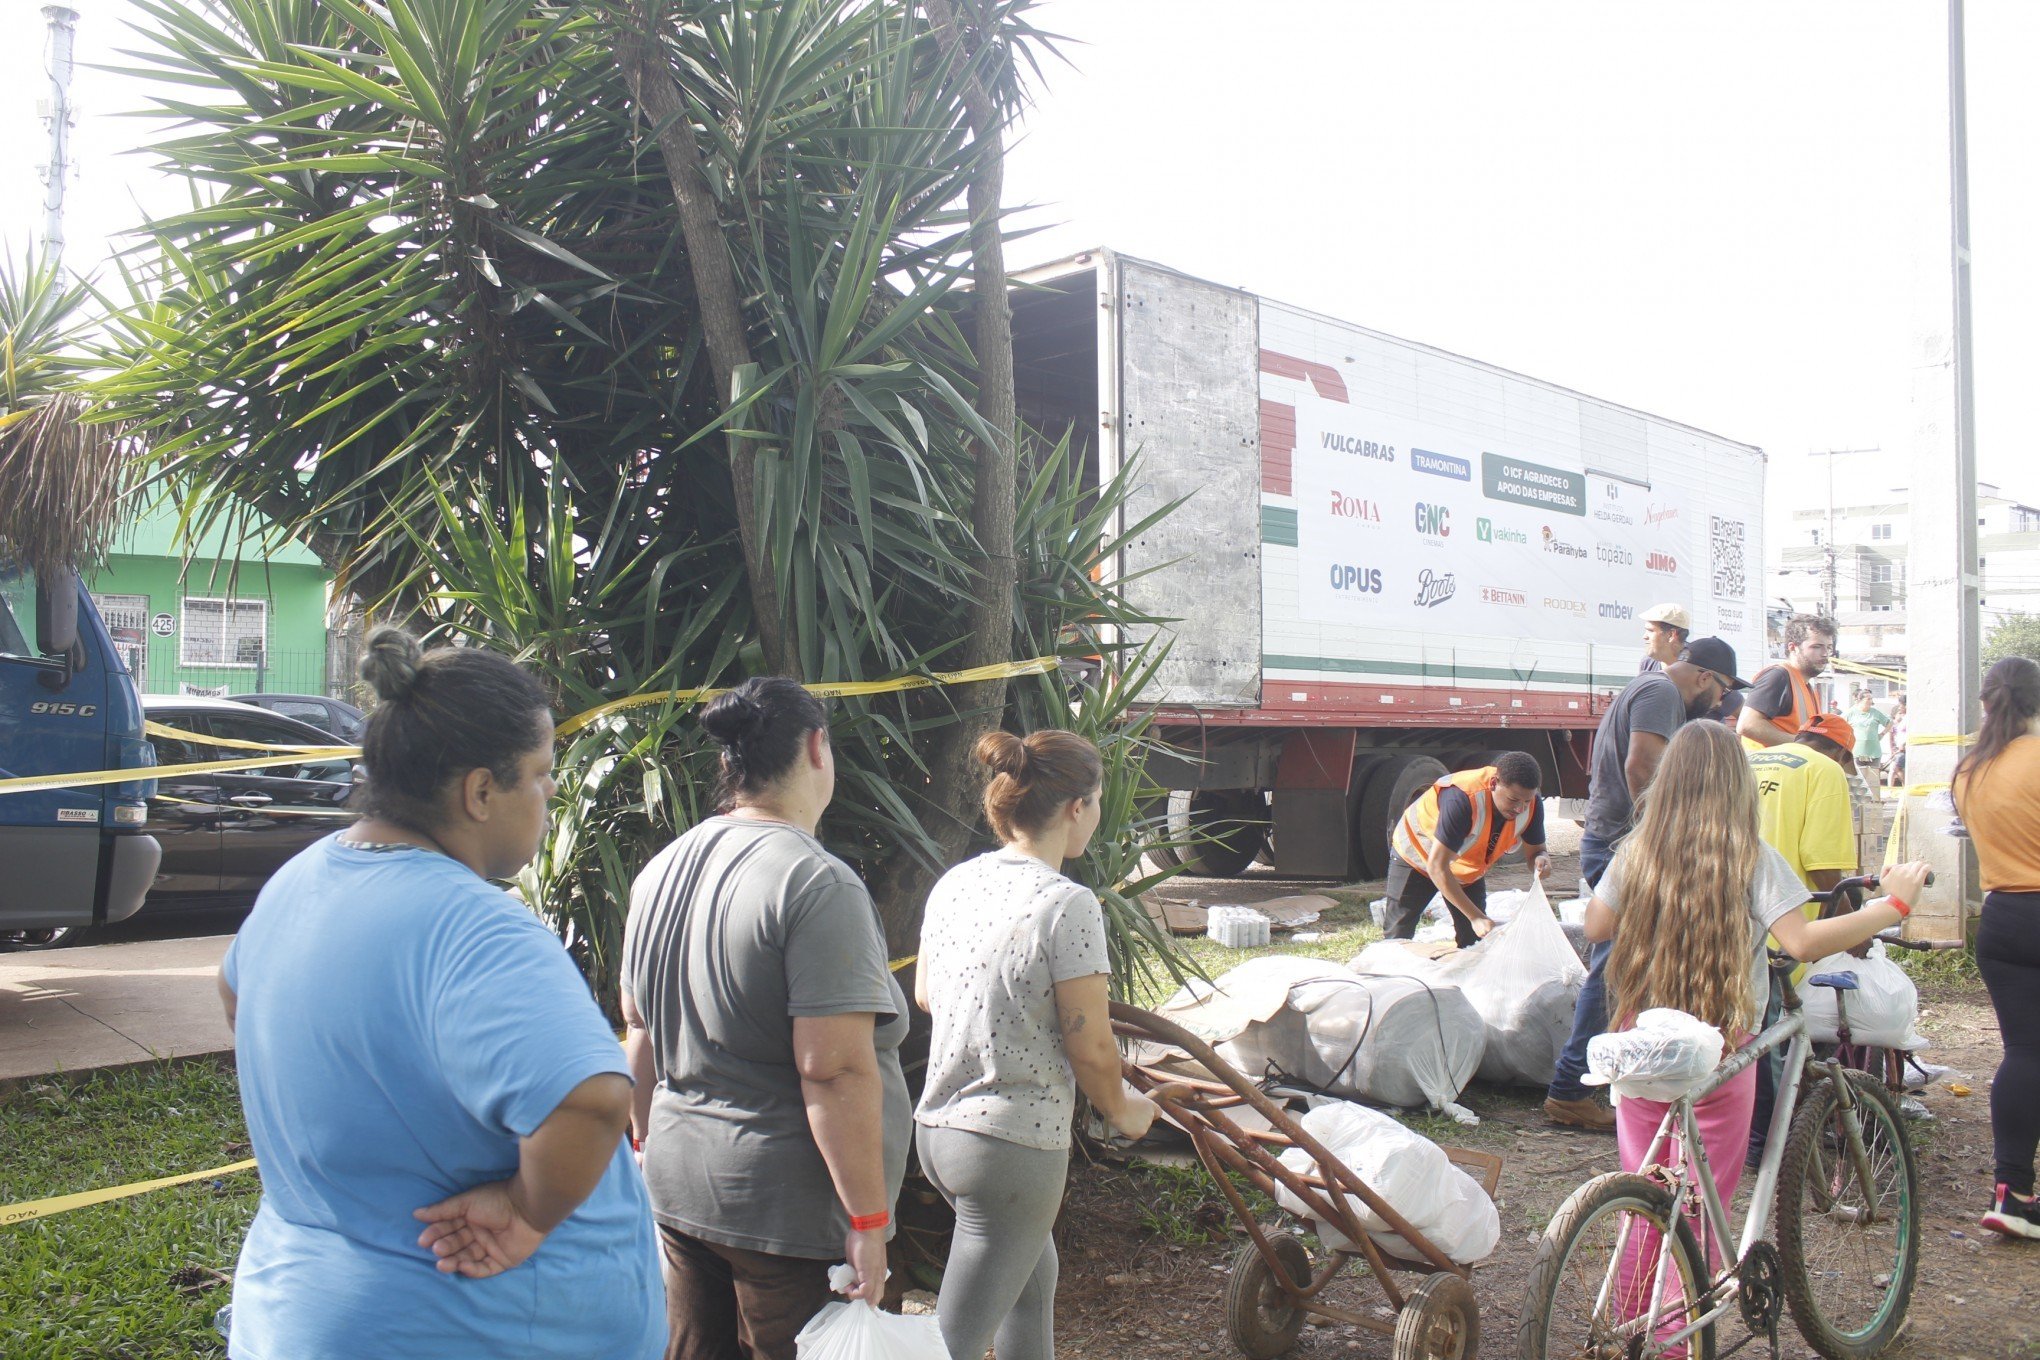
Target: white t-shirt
[
  {"x": 1000, "y": 931},
  {"x": 1775, "y": 892}
]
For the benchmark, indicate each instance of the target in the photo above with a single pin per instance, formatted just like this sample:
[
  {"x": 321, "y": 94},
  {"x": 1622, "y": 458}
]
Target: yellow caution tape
[
  {"x": 43, "y": 1208},
  {"x": 1942, "y": 739},
  {"x": 1856, "y": 668},
  {"x": 898, "y": 964},
  {"x": 305, "y": 754},
  {"x": 156, "y": 729},
  {"x": 848, "y": 689}
]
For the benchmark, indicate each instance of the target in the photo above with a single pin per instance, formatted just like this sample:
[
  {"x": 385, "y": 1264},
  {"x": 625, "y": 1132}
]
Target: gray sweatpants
[{"x": 1000, "y": 1282}]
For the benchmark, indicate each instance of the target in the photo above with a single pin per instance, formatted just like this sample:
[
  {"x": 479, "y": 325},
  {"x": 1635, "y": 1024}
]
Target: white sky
[{"x": 1726, "y": 213}]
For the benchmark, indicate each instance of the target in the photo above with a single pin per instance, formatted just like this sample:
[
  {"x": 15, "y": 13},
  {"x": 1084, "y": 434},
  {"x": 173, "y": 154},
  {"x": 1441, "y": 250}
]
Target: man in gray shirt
[{"x": 1627, "y": 747}]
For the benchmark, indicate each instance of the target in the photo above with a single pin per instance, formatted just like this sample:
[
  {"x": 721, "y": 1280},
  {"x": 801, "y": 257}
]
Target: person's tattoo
[{"x": 1075, "y": 1024}]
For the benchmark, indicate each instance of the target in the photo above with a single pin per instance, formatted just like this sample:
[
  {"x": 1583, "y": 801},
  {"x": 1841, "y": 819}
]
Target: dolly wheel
[
  {"x": 1440, "y": 1321},
  {"x": 1264, "y": 1323}
]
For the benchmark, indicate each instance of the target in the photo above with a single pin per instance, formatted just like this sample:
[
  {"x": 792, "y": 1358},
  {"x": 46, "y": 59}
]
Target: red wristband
[
  {"x": 637, "y": 1144},
  {"x": 1900, "y": 905},
  {"x": 871, "y": 1222}
]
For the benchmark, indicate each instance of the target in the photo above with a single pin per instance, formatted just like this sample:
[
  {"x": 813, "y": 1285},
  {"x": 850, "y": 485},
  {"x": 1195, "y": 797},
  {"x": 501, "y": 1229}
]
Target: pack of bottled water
[{"x": 1236, "y": 927}]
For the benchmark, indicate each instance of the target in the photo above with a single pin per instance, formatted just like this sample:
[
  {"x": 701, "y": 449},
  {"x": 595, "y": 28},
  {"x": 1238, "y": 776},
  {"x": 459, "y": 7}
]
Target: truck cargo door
[{"x": 1189, "y": 421}]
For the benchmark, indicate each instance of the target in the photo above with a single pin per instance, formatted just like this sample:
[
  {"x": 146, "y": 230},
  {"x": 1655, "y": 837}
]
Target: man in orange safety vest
[
  {"x": 1459, "y": 829},
  {"x": 1781, "y": 702}
]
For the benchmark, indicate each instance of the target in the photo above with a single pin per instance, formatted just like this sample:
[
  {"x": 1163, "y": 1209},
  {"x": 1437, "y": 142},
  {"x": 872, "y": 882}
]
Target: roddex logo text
[
  {"x": 1356, "y": 580},
  {"x": 1350, "y": 507},
  {"x": 1434, "y": 521},
  {"x": 1554, "y": 544},
  {"x": 1578, "y": 607},
  {"x": 1663, "y": 563},
  {"x": 1487, "y": 531},
  {"x": 1435, "y": 587},
  {"x": 1358, "y": 447}
]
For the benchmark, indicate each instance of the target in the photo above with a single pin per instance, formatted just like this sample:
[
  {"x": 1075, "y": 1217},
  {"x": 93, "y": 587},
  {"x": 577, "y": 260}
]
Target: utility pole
[
  {"x": 1942, "y": 614},
  {"x": 59, "y": 117},
  {"x": 1830, "y": 593}
]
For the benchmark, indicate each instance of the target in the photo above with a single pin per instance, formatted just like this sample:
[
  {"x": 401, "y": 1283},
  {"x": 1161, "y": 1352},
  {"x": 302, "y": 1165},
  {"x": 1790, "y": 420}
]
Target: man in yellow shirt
[{"x": 1804, "y": 813}]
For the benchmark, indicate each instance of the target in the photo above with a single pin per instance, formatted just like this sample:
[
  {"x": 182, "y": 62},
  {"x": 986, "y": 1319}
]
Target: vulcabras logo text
[
  {"x": 1358, "y": 447},
  {"x": 1441, "y": 465},
  {"x": 1350, "y": 507},
  {"x": 1663, "y": 563},
  {"x": 1434, "y": 521},
  {"x": 1356, "y": 580},
  {"x": 1435, "y": 587}
]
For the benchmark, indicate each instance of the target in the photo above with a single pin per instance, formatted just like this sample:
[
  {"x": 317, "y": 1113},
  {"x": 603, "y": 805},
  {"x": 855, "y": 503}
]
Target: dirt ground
[{"x": 1132, "y": 1286}]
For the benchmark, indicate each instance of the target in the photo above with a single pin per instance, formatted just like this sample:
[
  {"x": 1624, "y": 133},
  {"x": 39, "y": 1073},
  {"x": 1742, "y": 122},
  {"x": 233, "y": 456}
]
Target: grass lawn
[
  {"x": 138, "y": 1277},
  {"x": 1343, "y": 931}
]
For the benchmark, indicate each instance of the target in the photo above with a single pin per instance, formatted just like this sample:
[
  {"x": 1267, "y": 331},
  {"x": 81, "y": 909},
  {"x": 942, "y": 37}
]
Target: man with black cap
[{"x": 1628, "y": 745}]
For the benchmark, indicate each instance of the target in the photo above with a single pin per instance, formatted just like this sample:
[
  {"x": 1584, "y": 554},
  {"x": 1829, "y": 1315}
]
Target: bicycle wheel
[
  {"x": 1589, "y": 1288},
  {"x": 1848, "y": 1280}
]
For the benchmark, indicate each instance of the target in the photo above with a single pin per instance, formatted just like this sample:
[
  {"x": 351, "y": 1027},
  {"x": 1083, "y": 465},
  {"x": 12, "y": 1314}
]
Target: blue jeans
[{"x": 1590, "y": 1012}]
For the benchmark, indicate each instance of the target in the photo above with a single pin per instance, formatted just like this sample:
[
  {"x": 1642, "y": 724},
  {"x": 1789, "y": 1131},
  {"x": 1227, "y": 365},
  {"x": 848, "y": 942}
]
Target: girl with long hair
[
  {"x": 1997, "y": 794},
  {"x": 1013, "y": 969},
  {"x": 1688, "y": 901}
]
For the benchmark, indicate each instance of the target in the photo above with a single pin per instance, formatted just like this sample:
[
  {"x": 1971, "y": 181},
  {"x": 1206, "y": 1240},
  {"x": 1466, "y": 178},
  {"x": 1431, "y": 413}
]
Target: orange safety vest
[
  {"x": 1805, "y": 703},
  {"x": 1417, "y": 831}
]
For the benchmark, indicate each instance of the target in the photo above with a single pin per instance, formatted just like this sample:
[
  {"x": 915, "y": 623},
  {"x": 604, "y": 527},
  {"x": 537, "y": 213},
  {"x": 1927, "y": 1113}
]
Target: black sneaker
[{"x": 2014, "y": 1217}]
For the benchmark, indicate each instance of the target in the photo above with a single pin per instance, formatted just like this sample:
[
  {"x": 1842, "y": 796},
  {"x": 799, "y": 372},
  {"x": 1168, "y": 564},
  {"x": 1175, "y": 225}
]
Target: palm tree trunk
[{"x": 639, "y": 57}]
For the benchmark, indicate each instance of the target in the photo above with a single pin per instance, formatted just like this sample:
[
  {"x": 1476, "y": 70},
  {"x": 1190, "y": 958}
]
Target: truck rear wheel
[
  {"x": 1394, "y": 784},
  {"x": 1236, "y": 822}
]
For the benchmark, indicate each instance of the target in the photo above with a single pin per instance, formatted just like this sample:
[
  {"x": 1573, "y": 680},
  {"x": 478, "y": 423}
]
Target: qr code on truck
[{"x": 1730, "y": 565}]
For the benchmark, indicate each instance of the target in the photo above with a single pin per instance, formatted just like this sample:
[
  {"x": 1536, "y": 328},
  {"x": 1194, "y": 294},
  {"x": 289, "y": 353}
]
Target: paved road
[{"x": 108, "y": 1005}]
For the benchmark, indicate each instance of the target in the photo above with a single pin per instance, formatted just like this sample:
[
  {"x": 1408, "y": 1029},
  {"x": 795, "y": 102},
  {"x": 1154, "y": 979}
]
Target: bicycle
[
  {"x": 1622, "y": 1273},
  {"x": 1878, "y": 1060}
]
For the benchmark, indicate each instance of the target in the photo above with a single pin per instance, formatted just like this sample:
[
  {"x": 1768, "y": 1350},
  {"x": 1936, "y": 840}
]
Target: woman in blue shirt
[{"x": 436, "y": 1103}]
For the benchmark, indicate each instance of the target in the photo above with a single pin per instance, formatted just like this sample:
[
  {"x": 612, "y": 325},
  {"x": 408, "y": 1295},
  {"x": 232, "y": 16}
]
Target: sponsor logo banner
[
  {"x": 1610, "y": 507},
  {"x": 1433, "y": 521},
  {"x": 1577, "y": 608},
  {"x": 1356, "y": 580},
  {"x": 1656, "y": 516},
  {"x": 1563, "y": 547},
  {"x": 1616, "y": 611},
  {"x": 1513, "y": 599},
  {"x": 1352, "y": 507},
  {"x": 1663, "y": 563},
  {"x": 1487, "y": 531},
  {"x": 1435, "y": 587},
  {"x": 1546, "y": 488},
  {"x": 1614, "y": 555},
  {"x": 1441, "y": 465}
]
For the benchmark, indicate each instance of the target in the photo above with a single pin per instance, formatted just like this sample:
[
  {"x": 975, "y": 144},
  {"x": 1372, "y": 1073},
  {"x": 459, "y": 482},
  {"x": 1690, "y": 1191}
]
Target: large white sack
[
  {"x": 1883, "y": 1010},
  {"x": 1394, "y": 1041},
  {"x": 1523, "y": 981},
  {"x": 1667, "y": 1054},
  {"x": 1410, "y": 1173}
]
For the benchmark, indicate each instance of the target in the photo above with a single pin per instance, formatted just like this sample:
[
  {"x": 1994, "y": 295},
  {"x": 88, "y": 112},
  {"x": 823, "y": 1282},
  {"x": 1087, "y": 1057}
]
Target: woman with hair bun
[
  {"x": 764, "y": 1029},
  {"x": 1997, "y": 794},
  {"x": 1013, "y": 968},
  {"x": 407, "y": 1035}
]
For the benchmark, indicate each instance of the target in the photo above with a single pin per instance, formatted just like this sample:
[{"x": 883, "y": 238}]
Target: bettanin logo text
[
  {"x": 1496, "y": 595},
  {"x": 1362, "y": 448},
  {"x": 1349, "y": 507},
  {"x": 1553, "y": 543},
  {"x": 1434, "y": 588},
  {"x": 1663, "y": 563},
  {"x": 1434, "y": 521}
]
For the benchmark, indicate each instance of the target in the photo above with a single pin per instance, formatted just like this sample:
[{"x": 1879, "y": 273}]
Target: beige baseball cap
[{"x": 1673, "y": 614}]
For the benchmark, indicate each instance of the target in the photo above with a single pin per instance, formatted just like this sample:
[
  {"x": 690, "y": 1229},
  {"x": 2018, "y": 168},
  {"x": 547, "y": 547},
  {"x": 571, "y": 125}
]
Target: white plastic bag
[
  {"x": 1410, "y": 1173},
  {"x": 858, "y": 1331},
  {"x": 1523, "y": 979},
  {"x": 1666, "y": 1055},
  {"x": 1883, "y": 1010}
]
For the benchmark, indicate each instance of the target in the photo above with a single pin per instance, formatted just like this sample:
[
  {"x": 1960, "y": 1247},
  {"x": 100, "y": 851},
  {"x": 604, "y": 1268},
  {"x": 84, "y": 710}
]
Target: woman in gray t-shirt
[
  {"x": 764, "y": 1032},
  {"x": 1013, "y": 969}
]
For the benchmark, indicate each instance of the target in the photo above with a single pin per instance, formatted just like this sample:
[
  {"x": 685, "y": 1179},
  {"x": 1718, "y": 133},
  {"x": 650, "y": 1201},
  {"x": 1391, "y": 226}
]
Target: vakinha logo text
[
  {"x": 1662, "y": 563},
  {"x": 1515, "y": 599},
  {"x": 1578, "y": 607},
  {"x": 1358, "y": 447},
  {"x": 1359, "y": 580},
  {"x": 1348, "y": 507},
  {"x": 1441, "y": 465},
  {"x": 1553, "y": 543},
  {"x": 1612, "y": 555},
  {"x": 1657, "y": 514},
  {"x": 1434, "y": 588},
  {"x": 1487, "y": 531},
  {"x": 1434, "y": 521},
  {"x": 1618, "y": 611}
]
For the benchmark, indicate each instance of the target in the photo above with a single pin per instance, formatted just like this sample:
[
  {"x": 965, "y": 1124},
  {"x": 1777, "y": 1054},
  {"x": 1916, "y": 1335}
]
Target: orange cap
[{"x": 1836, "y": 729}]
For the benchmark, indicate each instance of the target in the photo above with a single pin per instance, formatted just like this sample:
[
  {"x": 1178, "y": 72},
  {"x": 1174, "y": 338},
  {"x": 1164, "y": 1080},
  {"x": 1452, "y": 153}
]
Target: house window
[
  {"x": 224, "y": 632},
  {"x": 1880, "y": 573},
  {"x": 1880, "y": 531}
]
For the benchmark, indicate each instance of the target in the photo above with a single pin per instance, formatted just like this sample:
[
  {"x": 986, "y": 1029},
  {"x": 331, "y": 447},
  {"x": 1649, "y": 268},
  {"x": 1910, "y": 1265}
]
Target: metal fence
[{"x": 298, "y": 672}]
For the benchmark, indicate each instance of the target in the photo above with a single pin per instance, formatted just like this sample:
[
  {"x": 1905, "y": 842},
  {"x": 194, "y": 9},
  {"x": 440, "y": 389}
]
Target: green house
[{"x": 229, "y": 620}]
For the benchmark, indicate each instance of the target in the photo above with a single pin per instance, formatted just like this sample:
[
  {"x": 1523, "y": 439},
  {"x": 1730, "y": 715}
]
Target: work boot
[{"x": 1583, "y": 1113}]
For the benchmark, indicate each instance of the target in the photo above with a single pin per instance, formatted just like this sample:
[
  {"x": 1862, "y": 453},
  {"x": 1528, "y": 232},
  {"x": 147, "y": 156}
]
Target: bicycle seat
[{"x": 1841, "y": 982}]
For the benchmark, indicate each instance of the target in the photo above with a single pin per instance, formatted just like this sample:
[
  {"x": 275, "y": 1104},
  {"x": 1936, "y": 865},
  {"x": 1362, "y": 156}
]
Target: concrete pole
[
  {"x": 1942, "y": 617},
  {"x": 63, "y": 26}
]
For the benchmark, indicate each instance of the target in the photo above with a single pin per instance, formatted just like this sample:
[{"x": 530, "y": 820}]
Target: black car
[
  {"x": 224, "y": 833},
  {"x": 335, "y": 716}
]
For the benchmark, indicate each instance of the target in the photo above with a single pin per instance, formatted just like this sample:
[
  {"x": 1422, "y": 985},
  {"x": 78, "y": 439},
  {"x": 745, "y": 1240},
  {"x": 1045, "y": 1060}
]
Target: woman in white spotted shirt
[{"x": 1013, "y": 969}]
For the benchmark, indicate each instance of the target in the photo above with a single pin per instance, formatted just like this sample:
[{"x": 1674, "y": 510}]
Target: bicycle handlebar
[{"x": 1868, "y": 882}]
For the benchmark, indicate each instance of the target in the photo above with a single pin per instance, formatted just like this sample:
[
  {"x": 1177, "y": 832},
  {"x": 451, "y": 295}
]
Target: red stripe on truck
[{"x": 1278, "y": 419}]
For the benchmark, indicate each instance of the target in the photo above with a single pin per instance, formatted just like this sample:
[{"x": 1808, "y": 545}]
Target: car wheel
[{"x": 26, "y": 941}]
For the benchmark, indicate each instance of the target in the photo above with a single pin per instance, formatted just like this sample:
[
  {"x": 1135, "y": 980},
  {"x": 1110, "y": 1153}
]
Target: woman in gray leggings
[{"x": 1013, "y": 969}]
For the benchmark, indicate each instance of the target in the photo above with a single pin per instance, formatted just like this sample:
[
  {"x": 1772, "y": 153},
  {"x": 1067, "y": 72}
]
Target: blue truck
[{"x": 81, "y": 856}]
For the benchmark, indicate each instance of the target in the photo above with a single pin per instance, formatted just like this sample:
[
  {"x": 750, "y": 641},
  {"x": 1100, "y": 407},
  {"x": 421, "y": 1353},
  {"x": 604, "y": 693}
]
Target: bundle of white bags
[
  {"x": 1407, "y": 1171},
  {"x": 1884, "y": 1010},
  {"x": 1665, "y": 1055},
  {"x": 1522, "y": 980}
]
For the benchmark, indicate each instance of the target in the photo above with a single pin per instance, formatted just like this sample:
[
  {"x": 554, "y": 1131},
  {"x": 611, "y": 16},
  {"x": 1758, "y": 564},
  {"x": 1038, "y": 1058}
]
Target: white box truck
[{"x": 1390, "y": 560}]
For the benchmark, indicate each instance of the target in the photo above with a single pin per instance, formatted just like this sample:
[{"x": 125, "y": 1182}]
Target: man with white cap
[{"x": 1665, "y": 629}]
